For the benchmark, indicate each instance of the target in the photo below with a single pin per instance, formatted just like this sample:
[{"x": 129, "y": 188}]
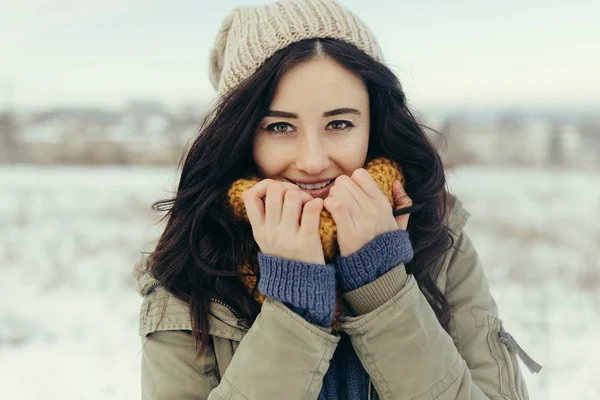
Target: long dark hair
[{"x": 198, "y": 254}]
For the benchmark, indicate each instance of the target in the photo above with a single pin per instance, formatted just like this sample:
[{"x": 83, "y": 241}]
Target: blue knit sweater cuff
[
  {"x": 375, "y": 259},
  {"x": 307, "y": 289}
]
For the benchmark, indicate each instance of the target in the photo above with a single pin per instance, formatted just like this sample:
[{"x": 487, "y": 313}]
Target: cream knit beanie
[{"x": 248, "y": 36}]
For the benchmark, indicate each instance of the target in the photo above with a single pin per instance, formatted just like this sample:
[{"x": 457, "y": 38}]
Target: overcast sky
[{"x": 446, "y": 53}]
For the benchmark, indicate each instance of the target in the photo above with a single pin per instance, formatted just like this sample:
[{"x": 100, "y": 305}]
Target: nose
[{"x": 311, "y": 155}]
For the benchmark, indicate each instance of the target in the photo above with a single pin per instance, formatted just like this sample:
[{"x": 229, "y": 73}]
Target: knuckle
[
  {"x": 342, "y": 179},
  {"x": 306, "y": 197},
  {"x": 263, "y": 184},
  {"x": 335, "y": 191},
  {"x": 335, "y": 205},
  {"x": 309, "y": 204},
  {"x": 292, "y": 195},
  {"x": 362, "y": 174},
  {"x": 273, "y": 188}
]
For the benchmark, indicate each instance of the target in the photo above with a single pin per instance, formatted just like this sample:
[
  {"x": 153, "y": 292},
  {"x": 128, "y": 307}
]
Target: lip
[
  {"x": 312, "y": 181},
  {"x": 322, "y": 192}
]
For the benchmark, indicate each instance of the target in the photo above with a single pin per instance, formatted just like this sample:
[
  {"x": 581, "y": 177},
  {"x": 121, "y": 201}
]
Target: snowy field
[{"x": 69, "y": 238}]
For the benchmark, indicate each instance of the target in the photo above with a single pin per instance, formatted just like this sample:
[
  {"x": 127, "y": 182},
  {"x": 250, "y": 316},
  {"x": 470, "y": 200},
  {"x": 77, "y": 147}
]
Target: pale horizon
[{"x": 447, "y": 54}]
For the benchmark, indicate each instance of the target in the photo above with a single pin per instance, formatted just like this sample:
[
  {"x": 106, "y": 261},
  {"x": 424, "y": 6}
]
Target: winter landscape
[
  {"x": 70, "y": 236},
  {"x": 98, "y": 100}
]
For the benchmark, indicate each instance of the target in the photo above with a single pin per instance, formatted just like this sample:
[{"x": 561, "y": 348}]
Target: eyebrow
[{"x": 337, "y": 111}]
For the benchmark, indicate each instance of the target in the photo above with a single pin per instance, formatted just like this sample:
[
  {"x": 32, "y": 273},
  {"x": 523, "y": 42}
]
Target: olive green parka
[{"x": 393, "y": 329}]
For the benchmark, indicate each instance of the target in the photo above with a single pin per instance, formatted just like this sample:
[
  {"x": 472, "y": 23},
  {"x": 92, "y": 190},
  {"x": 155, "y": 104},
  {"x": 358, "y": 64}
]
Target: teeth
[{"x": 312, "y": 186}]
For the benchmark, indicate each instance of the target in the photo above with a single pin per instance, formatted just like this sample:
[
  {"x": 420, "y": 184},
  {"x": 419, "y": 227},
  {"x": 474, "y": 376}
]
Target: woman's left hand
[{"x": 361, "y": 211}]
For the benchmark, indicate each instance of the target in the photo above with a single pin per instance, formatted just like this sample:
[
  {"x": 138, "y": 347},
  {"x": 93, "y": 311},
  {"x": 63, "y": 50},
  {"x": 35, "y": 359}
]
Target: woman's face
[{"x": 317, "y": 127}]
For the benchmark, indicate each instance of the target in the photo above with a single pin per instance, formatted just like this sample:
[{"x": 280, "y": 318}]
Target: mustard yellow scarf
[{"x": 383, "y": 171}]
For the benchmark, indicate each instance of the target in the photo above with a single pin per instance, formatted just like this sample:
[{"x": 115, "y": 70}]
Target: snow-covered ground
[
  {"x": 69, "y": 238},
  {"x": 538, "y": 234}
]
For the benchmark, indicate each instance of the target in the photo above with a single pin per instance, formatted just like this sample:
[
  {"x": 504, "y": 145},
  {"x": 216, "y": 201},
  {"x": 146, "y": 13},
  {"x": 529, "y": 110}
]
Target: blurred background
[{"x": 99, "y": 99}]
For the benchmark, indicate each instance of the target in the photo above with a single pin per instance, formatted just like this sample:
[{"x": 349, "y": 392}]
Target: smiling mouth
[
  {"x": 322, "y": 192},
  {"x": 313, "y": 186}
]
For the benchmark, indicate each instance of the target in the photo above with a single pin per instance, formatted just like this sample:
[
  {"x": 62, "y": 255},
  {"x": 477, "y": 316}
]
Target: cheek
[
  {"x": 269, "y": 156},
  {"x": 350, "y": 152}
]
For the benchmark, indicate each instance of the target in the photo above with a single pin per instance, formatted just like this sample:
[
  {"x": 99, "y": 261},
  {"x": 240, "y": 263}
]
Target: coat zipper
[
  {"x": 504, "y": 337},
  {"x": 226, "y": 305},
  {"x": 151, "y": 286},
  {"x": 157, "y": 283},
  {"x": 512, "y": 344},
  {"x": 237, "y": 314},
  {"x": 372, "y": 393}
]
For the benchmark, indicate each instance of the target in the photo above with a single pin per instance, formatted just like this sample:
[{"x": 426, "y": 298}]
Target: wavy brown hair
[{"x": 198, "y": 253}]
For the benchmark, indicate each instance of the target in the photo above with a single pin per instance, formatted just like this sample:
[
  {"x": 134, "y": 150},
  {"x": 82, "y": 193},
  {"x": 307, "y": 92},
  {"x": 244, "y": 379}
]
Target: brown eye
[
  {"x": 341, "y": 125},
  {"x": 279, "y": 128},
  {"x": 282, "y": 130}
]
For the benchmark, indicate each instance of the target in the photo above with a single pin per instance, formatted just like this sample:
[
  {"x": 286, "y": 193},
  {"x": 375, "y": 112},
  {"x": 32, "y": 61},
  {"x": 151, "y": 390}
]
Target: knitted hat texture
[{"x": 248, "y": 36}]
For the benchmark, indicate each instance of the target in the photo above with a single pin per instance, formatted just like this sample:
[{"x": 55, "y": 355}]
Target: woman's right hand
[{"x": 286, "y": 224}]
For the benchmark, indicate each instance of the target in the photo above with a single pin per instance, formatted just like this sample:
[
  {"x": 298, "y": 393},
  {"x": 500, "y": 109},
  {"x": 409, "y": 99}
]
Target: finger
[
  {"x": 345, "y": 195},
  {"x": 260, "y": 189},
  {"x": 339, "y": 213},
  {"x": 365, "y": 181},
  {"x": 355, "y": 193},
  {"x": 274, "y": 203},
  {"x": 255, "y": 208},
  {"x": 293, "y": 202},
  {"x": 311, "y": 216},
  {"x": 401, "y": 200}
]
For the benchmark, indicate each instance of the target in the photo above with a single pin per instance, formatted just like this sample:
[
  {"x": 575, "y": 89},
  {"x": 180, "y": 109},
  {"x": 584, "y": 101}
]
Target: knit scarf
[{"x": 384, "y": 171}]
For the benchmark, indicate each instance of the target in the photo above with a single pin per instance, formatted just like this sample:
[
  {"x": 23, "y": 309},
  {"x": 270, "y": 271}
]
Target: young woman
[{"x": 246, "y": 309}]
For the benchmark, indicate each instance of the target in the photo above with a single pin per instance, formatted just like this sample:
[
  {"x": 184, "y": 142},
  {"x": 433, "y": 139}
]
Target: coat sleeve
[
  {"x": 281, "y": 355},
  {"x": 409, "y": 355}
]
